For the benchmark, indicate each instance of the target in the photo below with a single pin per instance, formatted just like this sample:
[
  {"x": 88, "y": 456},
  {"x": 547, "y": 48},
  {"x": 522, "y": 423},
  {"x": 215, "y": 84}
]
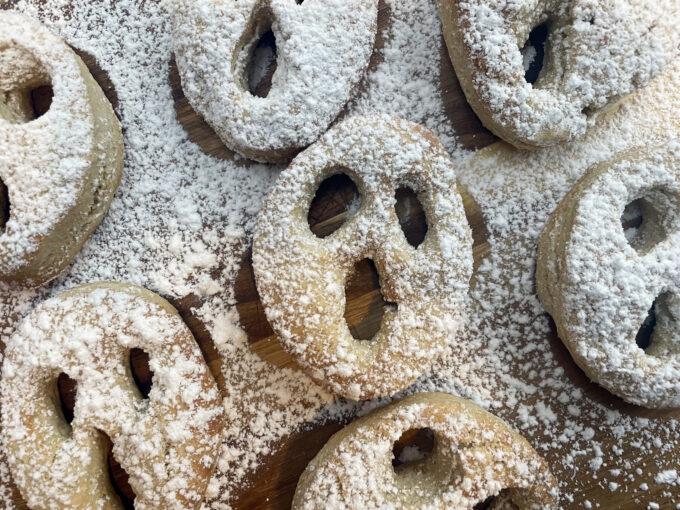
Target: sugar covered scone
[
  {"x": 302, "y": 278},
  {"x": 322, "y": 50},
  {"x": 167, "y": 442},
  {"x": 476, "y": 456},
  {"x": 596, "y": 53},
  {"x": 59, "y": 170},
  {"x": 615, "y": 294}
]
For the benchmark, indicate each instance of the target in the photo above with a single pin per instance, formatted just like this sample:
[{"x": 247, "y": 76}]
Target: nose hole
[
  {"x": 4, "y": 207},
  {"x": 336, "y": 200},
  {"x": 643, "y": 339},
  {"x": 365, "y": 305},
  {"x": 411, "y": 214},
  {"x": 67, "y": 389},
  {"x": 533, "y": 53},
  {"x": 262, "y": 65},
  {"x": 118, "y": 476},
  {"x": 141, "y": 372},
  {"x": 650, "y": 219},
  {"x": 412, "y": 449},
  {"x": 502, "y": 501}
]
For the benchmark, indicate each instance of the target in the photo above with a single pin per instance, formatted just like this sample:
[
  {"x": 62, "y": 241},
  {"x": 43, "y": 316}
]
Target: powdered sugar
[{"x": 179, "y": 210}]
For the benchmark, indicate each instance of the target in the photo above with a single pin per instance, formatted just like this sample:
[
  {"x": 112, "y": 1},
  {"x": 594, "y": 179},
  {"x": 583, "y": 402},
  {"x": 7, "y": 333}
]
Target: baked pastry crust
[
  {"x": 60, "y": 170},
  {"x": 322, "y": 51},
  {"x": 302, "y": 278},
  {"x": 476, "y": 456},
  {"x": 596, "y": 54},
  {"x": 167, "y": 443},
  {"x": 599, "y": 287}
]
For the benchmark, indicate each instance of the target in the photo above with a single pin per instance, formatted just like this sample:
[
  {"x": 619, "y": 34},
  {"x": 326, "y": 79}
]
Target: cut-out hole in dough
[
  {"x": 411, "y": 216},
  {"x": 25, "y": 86},
  {"x": 4, "y": 207},
  {"x": 643, "y": 339},
  {"x": 262, "y": 65},
  {"x": 337, "y": 200},
  {"x": 365, "y": 304},
  {"x": 648, "y": 220},
  {"x": 658, "y": 334},
  {"x": 41, "y": 100},
  {"x": 412, "y": 449},
  {"x": 533, "y": 53},
  {"x": 141, "y": 373},
  {"x": 67, "y": 389},
  {"x": 117, "y": 475},
  {"x": 500, "y": 502}
]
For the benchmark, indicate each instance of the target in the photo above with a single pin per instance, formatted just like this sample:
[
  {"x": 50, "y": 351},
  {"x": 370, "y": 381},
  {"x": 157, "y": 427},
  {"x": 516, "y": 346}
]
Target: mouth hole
[
  {"x": 643, "y": 339},
  {"x": 650, "y": 219},
  {"x": 411, "y": 214},
  {"x": 336, "y": 201},
  {"x": 658, "y": 333},
  {"x": 262, "y": 65},
  {"x": 413, "y": 448},
  {"x": 533, "y": 53},
  {"x": 141, "y": 372},
  {"x": 67, "y": 390},
  {"x": 365, "y": 305},
  {"x": 118, "y": 477},
  {"x": 502, "y": 501},
  {"x": 4, "y": 207}
]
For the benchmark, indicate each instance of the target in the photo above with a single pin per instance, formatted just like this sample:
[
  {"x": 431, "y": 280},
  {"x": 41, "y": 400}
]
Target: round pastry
[
  {"x": 476, "y": 456},
  {"x": 61, "y": 169},
  {"x": 167, "y": 443},
  {"x": 302, "y": 278},
  {"x": 615, "y": 299},
  {"x": 322, "y": 50},
  {"x": 595, "y": 54}
]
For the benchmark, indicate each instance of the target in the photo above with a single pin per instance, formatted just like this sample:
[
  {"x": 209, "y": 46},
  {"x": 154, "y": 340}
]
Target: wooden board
[{"x": 273, "y": 484}]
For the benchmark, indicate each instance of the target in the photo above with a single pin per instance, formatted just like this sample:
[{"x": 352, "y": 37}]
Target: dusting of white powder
[{"x": 181, "y": 221}]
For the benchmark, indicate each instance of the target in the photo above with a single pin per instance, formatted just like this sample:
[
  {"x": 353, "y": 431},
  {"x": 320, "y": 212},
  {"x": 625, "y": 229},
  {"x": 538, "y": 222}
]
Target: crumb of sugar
[{"x": 179, "y": 215}]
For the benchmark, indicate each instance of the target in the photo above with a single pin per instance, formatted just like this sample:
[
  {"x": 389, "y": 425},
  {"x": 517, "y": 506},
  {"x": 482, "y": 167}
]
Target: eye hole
[
  {"x": 411, "y": 216},
  {"x": 337, "y": 200},
  {"x": 67, "y": 390},
  {"x": 533, "y": 53},
  {"x": 117, "y": 475},
  {"x": 262, "y": 65},
  {"x": 649, "y": 220},
  {"x": 25, "y": 86},
  {"x": 412, "y": 449},
  {"x": 502, "y": 501},
  {"x": 365, "y": 305},
  {"x": 141, "y": 372},
  {"x": 4, "y": 207}
]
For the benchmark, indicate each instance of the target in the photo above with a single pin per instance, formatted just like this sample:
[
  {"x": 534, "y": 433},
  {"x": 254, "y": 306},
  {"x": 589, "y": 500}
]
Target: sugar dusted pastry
[
  {"x": 167, "y": 443},
  {"x": 322, "y": 50},
  {"x": 302, "y": 278},
  {"x": 476, "y": 456},
  {"x": 60, "y": 170}
]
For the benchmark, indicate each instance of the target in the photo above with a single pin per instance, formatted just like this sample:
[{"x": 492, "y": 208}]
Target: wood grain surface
[{"x": 273, "y": 484}]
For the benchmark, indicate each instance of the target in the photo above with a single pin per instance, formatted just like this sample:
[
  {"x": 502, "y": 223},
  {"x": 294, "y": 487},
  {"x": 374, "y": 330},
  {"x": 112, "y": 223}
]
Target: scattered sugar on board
[{"x": 181, "y": 221}]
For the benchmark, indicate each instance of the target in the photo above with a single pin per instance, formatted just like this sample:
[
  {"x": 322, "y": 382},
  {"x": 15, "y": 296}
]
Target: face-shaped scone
[
  {"x": 167, "y": 442},
  {"x": 58, "y": 171},
  {"x": 302, "y": 278},
  {"x": 615, "y": 294},
  {"x": 475, "y": 456},
  {"x": 594, "y": 54},
  {"x": 322, "y": 50}
]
